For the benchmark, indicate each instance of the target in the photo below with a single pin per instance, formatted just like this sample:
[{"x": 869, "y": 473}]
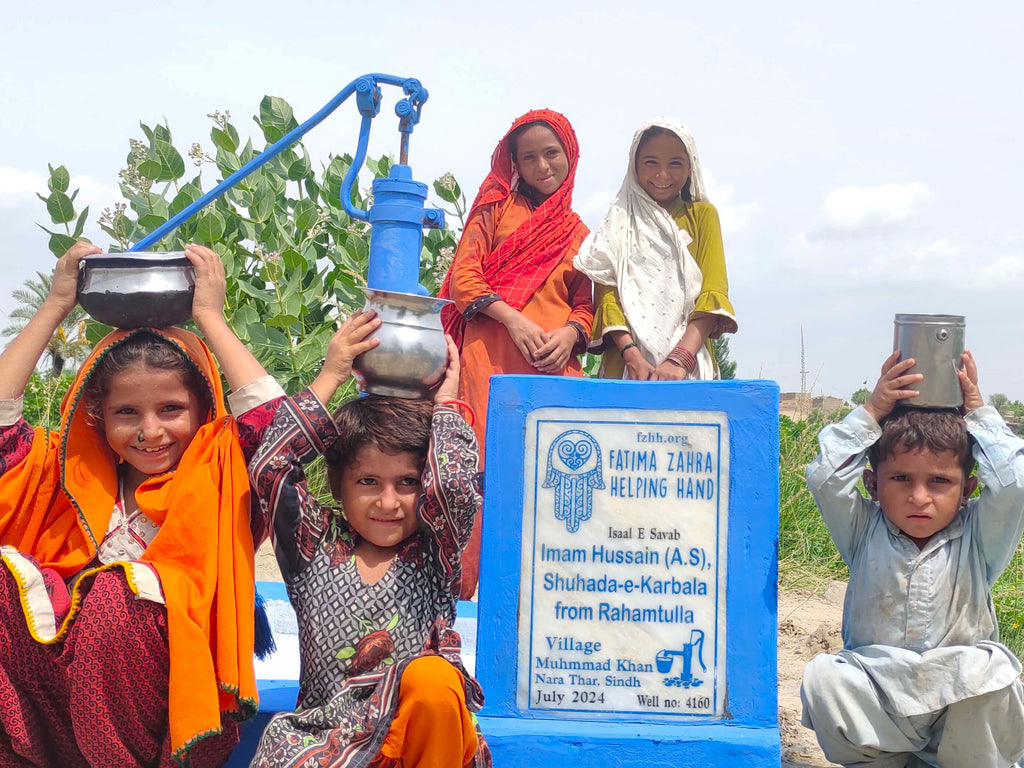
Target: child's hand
[
  {"x": 667, "y": 371},
  {"x": 64, "y": 288},
  {"x": 636, "y": 364},
  {"x": 211, "y": 284},
  {"x": 554, "y": 353},
  {"x": 449, "y": 389},
  {"x": 969, "y": 383},
  {"x": 348, "y": 342},
  {"x": 891, "y": 386},
  {"x": 526, "y": 335}
]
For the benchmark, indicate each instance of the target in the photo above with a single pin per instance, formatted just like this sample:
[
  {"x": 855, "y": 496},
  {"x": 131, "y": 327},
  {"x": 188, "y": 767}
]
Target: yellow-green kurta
[{"x": 702, "y": 224}]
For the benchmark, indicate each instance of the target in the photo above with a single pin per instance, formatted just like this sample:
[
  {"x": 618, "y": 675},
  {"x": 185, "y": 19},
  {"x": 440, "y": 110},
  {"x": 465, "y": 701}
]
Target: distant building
[{"x": 799, "y": 405}]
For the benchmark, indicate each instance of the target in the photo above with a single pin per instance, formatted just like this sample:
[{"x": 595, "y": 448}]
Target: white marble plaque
[{"x": 622, "y": 595}]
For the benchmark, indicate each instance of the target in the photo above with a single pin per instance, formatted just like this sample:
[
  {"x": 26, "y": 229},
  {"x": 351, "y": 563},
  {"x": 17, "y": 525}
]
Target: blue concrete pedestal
[
  {"x": 742, "y": 728},
  {"x": 520, "y": 743}
]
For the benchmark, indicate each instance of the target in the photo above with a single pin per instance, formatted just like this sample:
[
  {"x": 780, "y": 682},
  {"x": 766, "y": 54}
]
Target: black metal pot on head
[{"x": 136, "y": 290}]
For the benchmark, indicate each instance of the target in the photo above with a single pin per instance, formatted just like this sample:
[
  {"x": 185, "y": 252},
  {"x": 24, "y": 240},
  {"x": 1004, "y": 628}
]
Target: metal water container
[
  {"x": 412, "y": 356},
  {"x": 936, "y": 343}
]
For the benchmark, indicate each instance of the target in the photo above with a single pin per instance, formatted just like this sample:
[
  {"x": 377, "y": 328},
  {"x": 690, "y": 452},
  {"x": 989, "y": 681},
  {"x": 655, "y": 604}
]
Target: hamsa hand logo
[{"x": 574, "y": 471}]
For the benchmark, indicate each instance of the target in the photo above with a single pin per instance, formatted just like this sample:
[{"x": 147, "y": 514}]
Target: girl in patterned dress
[
  {"x": 375, "y": 583},
  {"x": 126, "y": 553}
]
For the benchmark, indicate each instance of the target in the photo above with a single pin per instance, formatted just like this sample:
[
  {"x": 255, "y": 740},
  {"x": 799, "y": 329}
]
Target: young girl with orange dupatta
[
  {"x": 520, "y": 306},
  {"x": 127, "y": 581}
]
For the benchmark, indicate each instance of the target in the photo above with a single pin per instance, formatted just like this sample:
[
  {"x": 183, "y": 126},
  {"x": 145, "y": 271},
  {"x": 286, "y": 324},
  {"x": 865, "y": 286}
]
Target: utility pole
[{"x": 805, "y": 398}]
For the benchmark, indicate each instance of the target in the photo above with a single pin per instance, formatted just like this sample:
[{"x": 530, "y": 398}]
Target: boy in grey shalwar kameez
[{"x": 922, "y": 678}]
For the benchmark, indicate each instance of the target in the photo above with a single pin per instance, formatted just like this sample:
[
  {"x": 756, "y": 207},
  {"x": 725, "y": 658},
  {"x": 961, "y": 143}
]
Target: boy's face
[
  {"x": 920, "y": 491},
  {"x": 378, "y": 492}
]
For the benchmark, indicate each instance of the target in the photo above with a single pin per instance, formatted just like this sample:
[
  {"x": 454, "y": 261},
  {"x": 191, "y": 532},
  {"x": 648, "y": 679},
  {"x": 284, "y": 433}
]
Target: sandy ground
[{"x": 808, "y": 625}]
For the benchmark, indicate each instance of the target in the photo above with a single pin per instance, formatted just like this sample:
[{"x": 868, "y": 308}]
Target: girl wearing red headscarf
[{"x": 520, "y": 306}]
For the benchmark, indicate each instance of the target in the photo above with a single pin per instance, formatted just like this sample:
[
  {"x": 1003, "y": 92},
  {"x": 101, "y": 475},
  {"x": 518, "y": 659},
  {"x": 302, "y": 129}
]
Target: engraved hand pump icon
[{"x": 664, "y": 661}]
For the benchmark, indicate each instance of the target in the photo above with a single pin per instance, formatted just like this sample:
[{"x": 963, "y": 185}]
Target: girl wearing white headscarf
[{"x": 658, "y": 266}]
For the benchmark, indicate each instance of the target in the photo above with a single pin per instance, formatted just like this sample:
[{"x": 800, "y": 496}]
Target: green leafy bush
[{"x": 294, "y": 259}]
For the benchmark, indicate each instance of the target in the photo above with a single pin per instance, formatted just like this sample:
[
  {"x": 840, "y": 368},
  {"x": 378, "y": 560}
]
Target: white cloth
[
  {"x": 919, "y": 626},
  {"x": 855, "y": 728},
  {"x": 641, "y": 250}
]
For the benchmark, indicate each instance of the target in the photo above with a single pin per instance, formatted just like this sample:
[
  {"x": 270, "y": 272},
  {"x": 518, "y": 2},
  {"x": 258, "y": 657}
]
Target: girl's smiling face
[
  {"x": 149, "y": 418},
  {"x": 541, "y": 160},
  {"x": 378, "y": 492},
  {"x": 662, "y": 167}
]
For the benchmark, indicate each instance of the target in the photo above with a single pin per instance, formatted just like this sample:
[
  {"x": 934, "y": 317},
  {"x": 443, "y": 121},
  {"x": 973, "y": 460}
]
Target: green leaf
[
  {"x": 334, "y": 174},
  {"x": 257, "y": 333},
  {"x": 187, "y": 195},
  {"x": 122, "y": 229},
  {"x": 224, "y": 139},
  {"x": 161, "y": 133},
  {"x": 305, "y": 214},
  {"x": 282, "y": 321},
  {"x": 59, "y": 244},
  {"x": 247, "y": 153},
  {"x": 383, "y": 167},
  {"x": 312, "y": 350},
  {"x": 300, "y": 168},
  {"x": 262, "y": 205},
  {"x": 293, "y": 261},
  {"x": 60, "y": 179},
  {"x": 210, "y": 226},
  {"x": 227, "y": 162},
  {"x": 276, "y": 118},
  {"x": 95, "y": 331},
  {"x": 346, "y": 653},
  {"x": 172, "y": 166},
  {"x": 244, "y": 316},
  {"x": 80, "y": 224},
  {"x": 443, "y": 193},
  {"x": 150, "y": 169},
  {"x": 257, "y": 293},
  {"x": 312, "y": 188},
  {"x": 151, "y": 221},
  {"x": 60, "y": 208}
]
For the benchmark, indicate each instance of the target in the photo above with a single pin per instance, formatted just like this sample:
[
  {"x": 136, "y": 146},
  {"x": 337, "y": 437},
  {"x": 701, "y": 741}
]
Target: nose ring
[{"x": 141, "y": 437}]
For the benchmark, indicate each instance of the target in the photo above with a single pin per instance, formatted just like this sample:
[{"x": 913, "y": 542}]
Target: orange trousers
[{"x": 432, "y": 727}]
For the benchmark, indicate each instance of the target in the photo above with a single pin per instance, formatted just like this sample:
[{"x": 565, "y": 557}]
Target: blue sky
[{"x": 864, "y": 155}]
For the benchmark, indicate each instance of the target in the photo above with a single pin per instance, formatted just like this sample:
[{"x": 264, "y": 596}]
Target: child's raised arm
[
  {"x": 892, "y": 386},
  {"x": 20, "y": 357},
  {"x": 968, "y": 374},
  {"x": 348, "y": 342},
  {"x": 238, "y": 364}
]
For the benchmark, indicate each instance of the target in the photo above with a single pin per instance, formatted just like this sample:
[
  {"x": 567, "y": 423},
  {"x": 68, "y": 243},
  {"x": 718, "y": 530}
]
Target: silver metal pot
[
  {"x": 140, "y": 289},
  {"x": 412, "y": 355},
  {"x": 936, "y": 343}
]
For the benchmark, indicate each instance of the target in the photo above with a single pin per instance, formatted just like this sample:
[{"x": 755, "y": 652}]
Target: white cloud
[
  {"x": 851, "y": 207},
  {"x": 17, "y": 186},
  {"x": 1003, "y": 271},
  {"x": 734, "y": 216}
]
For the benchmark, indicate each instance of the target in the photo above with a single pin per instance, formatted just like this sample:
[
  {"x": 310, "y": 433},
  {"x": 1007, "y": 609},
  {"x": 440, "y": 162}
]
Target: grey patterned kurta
[{"x": 355, "y": 639}]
